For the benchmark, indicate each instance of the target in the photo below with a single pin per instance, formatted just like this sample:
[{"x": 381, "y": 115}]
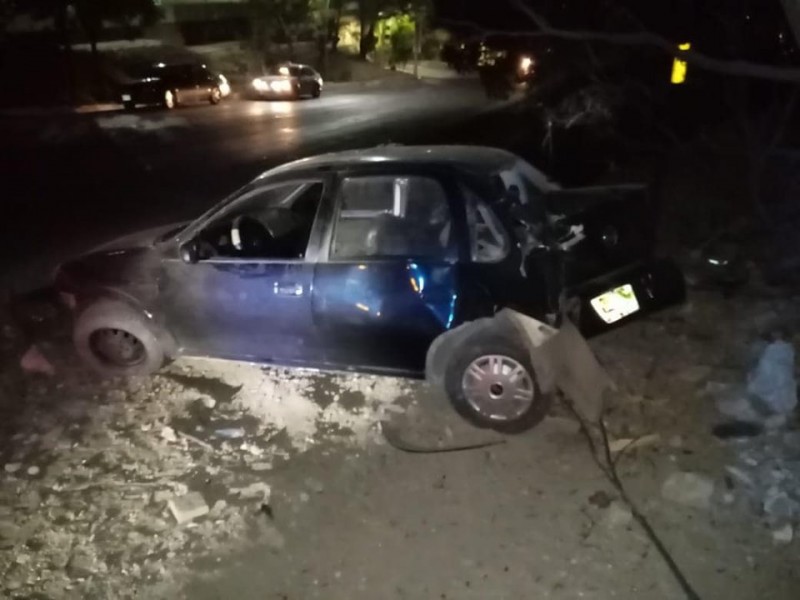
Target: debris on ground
[
  {"x": 230, "y": 433},
  {"x": 626, "y": 444},
  {"x": 689, "y": 489},
  {"x": 772, "y": 382},
  {"x": 187, "y": 507},
  {"x": 617, "y": 515},
  {"x": 115, "y": 473},
  {"x": 33, "y": 361},
  {"x": 259, "y": 491},
  {"x": 784, "y": 535}
]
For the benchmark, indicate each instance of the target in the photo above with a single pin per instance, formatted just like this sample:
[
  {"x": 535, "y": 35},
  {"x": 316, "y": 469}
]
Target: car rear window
[{"x": 283, "y": 71}]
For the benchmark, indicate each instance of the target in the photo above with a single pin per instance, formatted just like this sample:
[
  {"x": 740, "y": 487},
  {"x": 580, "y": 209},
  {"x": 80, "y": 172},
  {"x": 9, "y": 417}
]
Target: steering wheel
[{"x": 249, "y": 236}]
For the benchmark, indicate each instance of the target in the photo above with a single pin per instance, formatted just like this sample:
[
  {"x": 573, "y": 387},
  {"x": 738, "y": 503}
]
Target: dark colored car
[
  {"x": 288, "y": 81},
  {"x": 360, "y": 260},
  {"x": 172, "y": 85}
]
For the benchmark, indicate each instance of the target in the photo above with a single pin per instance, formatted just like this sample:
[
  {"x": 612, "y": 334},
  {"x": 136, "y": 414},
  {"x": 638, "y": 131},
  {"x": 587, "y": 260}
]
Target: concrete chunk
[{"x": 188, "y": 507}]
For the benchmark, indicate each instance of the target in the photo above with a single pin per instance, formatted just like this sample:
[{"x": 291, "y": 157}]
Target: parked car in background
[
  {"x": 361, "y": 260},
  {"x": 171, "y": 85},
  {"x": 288, "y": 81}
]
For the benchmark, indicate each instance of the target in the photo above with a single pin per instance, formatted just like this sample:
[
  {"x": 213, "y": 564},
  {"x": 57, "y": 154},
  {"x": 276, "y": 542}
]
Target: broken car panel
[{"x": 360, "y": 260}]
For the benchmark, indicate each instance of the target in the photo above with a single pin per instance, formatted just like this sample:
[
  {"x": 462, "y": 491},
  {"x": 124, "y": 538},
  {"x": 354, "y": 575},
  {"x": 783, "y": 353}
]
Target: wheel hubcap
[
  {"x": 498, "y": 387},
  {"x": 117, "y": 347}
]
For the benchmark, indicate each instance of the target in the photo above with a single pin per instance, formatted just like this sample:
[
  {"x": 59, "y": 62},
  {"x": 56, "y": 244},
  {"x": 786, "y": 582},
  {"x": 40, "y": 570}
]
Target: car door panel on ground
[
  {"x": 386, "y": 283},
  {"x": 250, "y": 295}
]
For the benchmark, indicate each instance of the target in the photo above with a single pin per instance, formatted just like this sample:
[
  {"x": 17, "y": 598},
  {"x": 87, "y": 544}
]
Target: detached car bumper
[{"x": 629, "y": 293}]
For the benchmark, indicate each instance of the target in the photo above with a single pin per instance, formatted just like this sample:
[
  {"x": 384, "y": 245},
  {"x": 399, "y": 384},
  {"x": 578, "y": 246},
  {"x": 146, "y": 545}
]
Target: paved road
[
  {"x": 264, "y": 132},
  {"x": 71, "y": 181}
]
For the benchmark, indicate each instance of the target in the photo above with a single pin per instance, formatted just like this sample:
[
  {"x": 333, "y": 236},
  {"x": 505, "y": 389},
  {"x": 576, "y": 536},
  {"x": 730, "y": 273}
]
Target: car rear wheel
[
  {"x": 216, "y": 96},
  {"x": 114, "y": 339},
  {"x": 491, "y": 382},
  {"x": 170, "y": 99}
]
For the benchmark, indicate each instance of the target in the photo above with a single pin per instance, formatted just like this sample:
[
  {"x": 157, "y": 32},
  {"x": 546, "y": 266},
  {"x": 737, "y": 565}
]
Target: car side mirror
[{"x": 189, "y": 252}]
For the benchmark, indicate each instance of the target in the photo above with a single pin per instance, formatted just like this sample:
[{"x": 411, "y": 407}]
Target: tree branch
[{"x": 736, "y": 68}]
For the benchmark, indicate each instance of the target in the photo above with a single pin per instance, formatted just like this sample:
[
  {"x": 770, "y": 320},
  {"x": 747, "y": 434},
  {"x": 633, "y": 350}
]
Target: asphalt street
[{"x": 72, "y": 181}]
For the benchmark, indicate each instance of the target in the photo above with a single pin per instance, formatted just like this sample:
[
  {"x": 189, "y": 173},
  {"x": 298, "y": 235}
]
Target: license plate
[
  {"x": 126, "y": 98},
  {"x": 616, "y": 304}
]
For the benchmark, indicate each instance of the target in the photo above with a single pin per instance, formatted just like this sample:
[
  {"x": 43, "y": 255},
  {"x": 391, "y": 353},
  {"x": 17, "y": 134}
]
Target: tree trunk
[
  {"x": 792, "y": 10},
  {"x": 366, "y": 43},
  {"x": 323, "y": 53},
  {"x": 62, "y": 26},
  {"x": 336, "y": 24},
  {"x": 417, "y": 44}
]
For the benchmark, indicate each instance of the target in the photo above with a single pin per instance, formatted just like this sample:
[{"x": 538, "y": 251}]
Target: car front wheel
[
  {"x": 316, "y": 91},
  {"x": 491, "y": 382},
  {"x": 115, "y": 339},
  {"x": 215, "y": 96}
]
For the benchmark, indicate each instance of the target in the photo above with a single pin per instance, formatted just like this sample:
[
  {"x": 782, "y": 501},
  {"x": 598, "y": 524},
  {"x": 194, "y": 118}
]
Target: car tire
[
  {"x": 170, "y": 99},
  {"x": 215, "y": 96},
  {"x": 316, "y": 91},
  {"x": 479, "y": 387},
  {"x": 115, "y": 339},
  {"x": 128, "y": 106}
]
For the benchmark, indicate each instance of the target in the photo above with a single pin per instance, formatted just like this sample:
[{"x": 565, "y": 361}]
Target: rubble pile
[
  {"x": 700, "y": 380},
  {"x": 108, "y": 488},
  {"x": 765, "y": 478}
]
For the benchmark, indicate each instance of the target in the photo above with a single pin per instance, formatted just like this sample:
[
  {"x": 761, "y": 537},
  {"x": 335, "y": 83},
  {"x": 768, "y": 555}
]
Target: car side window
[
  {"x": 200, "y": 75},
  {"x": 488, "y": 239},
  {"x": 307, "y": 72},
  {"x": 273, "y": 222},
  {"x": 392, "y": 216}
]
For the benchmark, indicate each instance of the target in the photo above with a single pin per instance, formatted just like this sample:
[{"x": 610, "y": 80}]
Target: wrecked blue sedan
[{"x": 360, "y": 260}]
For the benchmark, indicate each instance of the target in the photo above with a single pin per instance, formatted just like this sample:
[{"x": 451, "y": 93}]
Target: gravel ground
[{"x": 227, "y": 480}]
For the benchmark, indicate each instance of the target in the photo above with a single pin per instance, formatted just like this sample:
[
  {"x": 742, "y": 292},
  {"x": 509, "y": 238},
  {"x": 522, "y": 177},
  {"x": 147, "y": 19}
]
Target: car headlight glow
[
  {"x": 525, "y": 64},
  {"x": 282, "y": 85},
  {"x": 260, "y": 85}
]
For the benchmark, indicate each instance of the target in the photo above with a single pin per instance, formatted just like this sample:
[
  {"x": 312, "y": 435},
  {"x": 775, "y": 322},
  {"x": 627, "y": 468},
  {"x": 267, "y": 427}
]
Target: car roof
[{"x": 483, "y": 159}]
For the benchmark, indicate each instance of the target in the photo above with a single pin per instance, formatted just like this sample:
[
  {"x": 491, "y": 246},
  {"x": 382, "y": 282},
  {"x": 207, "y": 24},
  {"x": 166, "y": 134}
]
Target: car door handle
[{"x": 295, "y": 290}]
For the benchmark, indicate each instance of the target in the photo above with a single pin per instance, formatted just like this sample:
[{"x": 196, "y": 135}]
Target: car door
[
  {"x": 386, "y": 282},
  {"x": 298, "y": 81},
  {"x": 307, "y": 80},
  {"x": 186, "y": 84},
  {"x": 253, "y": 304}
]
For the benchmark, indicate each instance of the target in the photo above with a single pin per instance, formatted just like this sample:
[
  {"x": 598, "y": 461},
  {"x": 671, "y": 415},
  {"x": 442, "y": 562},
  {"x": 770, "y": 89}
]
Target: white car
[{"x": 288, "y": 81}]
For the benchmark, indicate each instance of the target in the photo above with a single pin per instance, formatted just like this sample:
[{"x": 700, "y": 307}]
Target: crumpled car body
[{"x": 360, "y": 260}]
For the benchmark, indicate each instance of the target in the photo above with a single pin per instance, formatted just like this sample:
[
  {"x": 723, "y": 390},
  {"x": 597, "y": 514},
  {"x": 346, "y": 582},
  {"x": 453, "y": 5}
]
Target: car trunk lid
[{"x": 610, "y": 228}]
